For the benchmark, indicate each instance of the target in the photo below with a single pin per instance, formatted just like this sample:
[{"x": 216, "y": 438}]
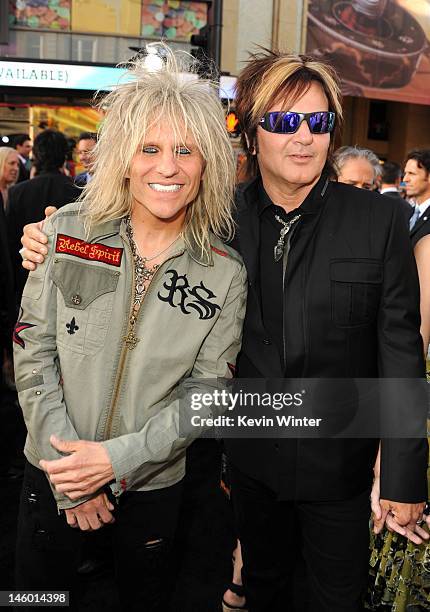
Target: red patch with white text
[
  {"x": 93, "y": 251},
  {"x": 222, "y": 253}
]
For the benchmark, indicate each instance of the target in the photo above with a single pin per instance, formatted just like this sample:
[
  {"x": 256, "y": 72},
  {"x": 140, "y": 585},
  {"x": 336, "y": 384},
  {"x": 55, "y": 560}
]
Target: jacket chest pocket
[
  {"x": 84, "y": 305},
  {"x": 355, "y": 291}
]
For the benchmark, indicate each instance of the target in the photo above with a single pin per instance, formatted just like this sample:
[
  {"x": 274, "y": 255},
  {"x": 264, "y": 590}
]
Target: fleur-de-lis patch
[{"x": 72, "y": 328}]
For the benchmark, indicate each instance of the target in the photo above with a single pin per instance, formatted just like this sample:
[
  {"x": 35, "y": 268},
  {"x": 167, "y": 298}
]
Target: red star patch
[{"x": 19, "y": 327}]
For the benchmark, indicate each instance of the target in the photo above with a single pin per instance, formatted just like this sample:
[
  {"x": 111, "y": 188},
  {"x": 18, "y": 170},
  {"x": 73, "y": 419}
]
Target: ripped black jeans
[{"x": 49, "y": 551}]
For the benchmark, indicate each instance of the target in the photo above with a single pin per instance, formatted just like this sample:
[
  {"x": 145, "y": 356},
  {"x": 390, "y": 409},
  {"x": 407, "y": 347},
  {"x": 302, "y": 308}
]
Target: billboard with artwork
[{"x": 379, "y": 47}]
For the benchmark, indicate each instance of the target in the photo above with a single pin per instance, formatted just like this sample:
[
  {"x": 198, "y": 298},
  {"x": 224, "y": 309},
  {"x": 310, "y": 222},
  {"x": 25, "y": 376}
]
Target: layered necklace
[{"x": 143, "y": 272}]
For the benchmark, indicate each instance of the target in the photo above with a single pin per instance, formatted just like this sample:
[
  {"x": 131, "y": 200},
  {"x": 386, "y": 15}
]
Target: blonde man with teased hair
[
  {"x": 137, "y": 305},
  {"x": 180, "y": 103}
]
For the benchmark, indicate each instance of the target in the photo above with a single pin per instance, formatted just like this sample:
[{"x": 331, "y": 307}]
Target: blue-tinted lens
[
  {"x": 318, "y": 123},
  {"x": 321, "y": 123},
  {"x": 281, "y": 122},
  {"x": 288, "y": 122}
]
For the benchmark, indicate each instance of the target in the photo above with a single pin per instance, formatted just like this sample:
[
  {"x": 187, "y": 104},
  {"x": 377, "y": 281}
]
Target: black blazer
[
  {"x": 24, "y": 174},
  {"x": 406, "y": 208},
  {"x": 26, "y": 204},
  {"x": 421, "y": 227},
  {"x": 351, "y": 311}
]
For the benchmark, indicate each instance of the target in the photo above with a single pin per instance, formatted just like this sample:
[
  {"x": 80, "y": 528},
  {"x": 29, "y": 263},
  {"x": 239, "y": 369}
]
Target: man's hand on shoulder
[{"x": 33, "y": 241}]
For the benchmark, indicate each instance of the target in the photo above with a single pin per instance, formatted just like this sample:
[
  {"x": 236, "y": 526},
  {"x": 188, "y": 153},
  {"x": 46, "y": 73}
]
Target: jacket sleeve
[
  {"x": 137, "y": 456},
  {"x": 37, "y": 372},
  {"x": 400, "y": 356}
]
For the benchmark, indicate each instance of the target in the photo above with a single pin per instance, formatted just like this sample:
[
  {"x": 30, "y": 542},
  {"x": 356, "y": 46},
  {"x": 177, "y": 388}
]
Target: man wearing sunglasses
[{"x": 333, "y": 295}]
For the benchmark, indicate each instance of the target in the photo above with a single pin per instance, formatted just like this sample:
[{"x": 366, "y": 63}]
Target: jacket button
[
  {"x": 76, "y": 299},
  {"x": 266, "y": 341}
]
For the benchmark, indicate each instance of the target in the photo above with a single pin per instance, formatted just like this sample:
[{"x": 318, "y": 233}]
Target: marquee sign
[{"x": 59, "y": 76}]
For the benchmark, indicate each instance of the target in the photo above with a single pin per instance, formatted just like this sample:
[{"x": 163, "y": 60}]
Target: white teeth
[{"x": 158, "y": 187}]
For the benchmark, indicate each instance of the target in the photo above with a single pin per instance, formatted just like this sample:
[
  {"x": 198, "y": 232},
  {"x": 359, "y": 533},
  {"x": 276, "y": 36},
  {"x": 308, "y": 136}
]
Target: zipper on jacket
[{"x": 128, "y": 345}]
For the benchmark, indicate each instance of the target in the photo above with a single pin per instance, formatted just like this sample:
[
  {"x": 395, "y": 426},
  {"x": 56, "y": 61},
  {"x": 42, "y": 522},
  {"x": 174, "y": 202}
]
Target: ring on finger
[{"x": 21, "y": 252}]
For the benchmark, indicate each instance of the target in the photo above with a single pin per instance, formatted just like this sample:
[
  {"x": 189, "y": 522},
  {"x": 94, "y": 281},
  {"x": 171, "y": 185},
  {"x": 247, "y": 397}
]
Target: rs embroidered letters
[
  {"x": 86, "y": 250},
  {"x": 179, "y": 293}
]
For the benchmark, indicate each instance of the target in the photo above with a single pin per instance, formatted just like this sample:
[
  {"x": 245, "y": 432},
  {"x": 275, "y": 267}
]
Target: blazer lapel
[{"x": 421, "y": 221}]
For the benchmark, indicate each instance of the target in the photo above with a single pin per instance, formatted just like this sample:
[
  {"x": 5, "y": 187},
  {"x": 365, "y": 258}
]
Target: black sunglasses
[{"x": 286, "y": 122}]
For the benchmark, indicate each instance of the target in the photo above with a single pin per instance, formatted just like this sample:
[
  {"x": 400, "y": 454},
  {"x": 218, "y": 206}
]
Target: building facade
[{"x": 379, "y": 48}]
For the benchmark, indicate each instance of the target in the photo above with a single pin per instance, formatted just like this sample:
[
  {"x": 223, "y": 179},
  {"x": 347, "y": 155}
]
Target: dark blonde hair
[{"x": 274, "y": 76}]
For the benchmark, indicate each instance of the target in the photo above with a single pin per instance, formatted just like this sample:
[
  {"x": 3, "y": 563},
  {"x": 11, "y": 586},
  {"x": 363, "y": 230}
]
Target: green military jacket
[{"x": 81, "y": 375}]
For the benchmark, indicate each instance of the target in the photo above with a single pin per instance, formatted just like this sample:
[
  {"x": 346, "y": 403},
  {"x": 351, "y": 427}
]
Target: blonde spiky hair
[{"x": 174, "y": 95}]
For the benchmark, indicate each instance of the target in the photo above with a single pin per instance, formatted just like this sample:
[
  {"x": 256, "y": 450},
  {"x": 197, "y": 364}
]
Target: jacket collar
[
  {"x": 249, "y": 192},
  {"x": 117, "y": 226},
  {"x": 248, "y": 222}
]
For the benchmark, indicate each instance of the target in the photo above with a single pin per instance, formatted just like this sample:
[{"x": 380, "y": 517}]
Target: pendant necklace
[
  {"x": 278, "y": 251},
  {"x": 143, "y": 273}
]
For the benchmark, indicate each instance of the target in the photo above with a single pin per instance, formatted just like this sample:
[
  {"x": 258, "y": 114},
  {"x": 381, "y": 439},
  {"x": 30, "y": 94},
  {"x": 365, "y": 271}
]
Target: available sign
[
  {"x": 59, "y": 76},
  {"x": 75, "y": 76}
]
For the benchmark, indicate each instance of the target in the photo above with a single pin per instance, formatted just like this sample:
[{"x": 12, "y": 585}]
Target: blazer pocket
[
  {"x": 355, "y": 291},
  {"x": 84, "y": 306}
]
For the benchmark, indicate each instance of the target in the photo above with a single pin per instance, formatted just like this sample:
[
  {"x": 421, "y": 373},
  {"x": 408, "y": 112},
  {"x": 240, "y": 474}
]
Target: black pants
[
  {"x": 49, "y": 551},
  {"x": 334, "y": 537}
]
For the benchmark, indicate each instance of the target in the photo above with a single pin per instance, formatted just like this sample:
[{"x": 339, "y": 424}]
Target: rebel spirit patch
[
  {"x": 20, "y": 326},
  {"x": 178, "y": 292},
  {"x": 86, "y": 250}
]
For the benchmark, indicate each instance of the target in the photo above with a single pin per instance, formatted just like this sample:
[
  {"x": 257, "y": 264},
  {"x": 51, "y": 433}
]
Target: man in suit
[
  {"x": 23, "y": 145},
  {"x": 417, "y": 179},
  {"x": 27, "y": 200},
  {"x": 390, "y": 186},
  {"x": 84, "y": 147},
  {"x": 333, "y": 294}
]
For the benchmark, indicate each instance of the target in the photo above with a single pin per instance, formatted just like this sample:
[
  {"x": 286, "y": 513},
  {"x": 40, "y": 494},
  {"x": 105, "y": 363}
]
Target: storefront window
[
  {"x": 40, "y": 14},
  {"x": 172, "y": 19}
]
